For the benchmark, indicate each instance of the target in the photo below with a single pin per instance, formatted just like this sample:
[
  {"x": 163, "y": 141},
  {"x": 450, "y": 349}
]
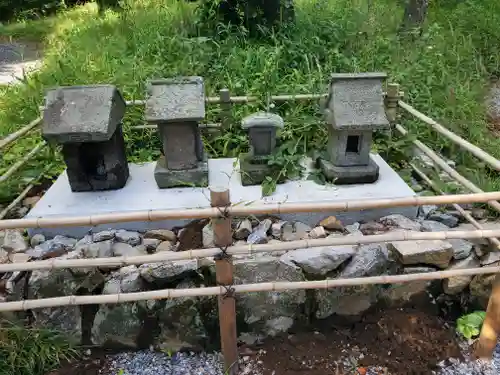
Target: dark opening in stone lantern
[
  {"x": 87, "y": 122},
  {"x": 354, "y": 109},
  {"x": 261, "y": 127},
  {"x": 177, "y": 106}
]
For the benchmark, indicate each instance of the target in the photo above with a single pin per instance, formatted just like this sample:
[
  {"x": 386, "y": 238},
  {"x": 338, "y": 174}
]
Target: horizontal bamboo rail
[
  {"x": 466, "y": 145},
  {"x": 155, "y": 127},
  {"x": 25, "y": 129},
  {"x": 13, "y": 169},
  {"x": 245, "y": 249},
  {"x": 247, "y": 99},
  {"x": 243, "y": 288},
  {"x": 494, "y": 241},
  {"x": 242, "y": 210},
  {"x": 450, "y": 171}
]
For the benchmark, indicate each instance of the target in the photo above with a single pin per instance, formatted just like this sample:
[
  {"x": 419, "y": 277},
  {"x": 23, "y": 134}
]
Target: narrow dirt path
[{"x": 17, "y": 58}]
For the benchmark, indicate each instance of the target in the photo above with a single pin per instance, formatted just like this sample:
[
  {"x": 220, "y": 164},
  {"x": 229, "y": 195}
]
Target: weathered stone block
[
  {"x": 168, "y": 178},
  {"x": 86, "y": 120},
  {"x": 358, "y": 174}
]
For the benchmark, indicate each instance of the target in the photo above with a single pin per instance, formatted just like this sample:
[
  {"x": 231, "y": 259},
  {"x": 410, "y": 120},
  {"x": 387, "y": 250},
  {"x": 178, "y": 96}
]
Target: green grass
[
  {"x": 444, "y": 73},
  {"x": 32, "y": 351}
]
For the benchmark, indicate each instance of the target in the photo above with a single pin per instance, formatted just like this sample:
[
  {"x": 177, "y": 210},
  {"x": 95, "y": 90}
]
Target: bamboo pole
[
  {"x": 398, "y": 236},
  {"x": 155, "y": 127},
  {"x": 245, "y": 210},
  {"x": 391, "y": 100},
  {"x": 18, "y": 199},
  {"x": 242, "y": 288},
  {"x": 225, "y": 106},
  {"x": 25, "y": 129},
  {"x": 466, "y": 145},
  {"x": 21, "y": 162},
  {"x": 223, "y": 237},
  {"x": 453, "y": 173},
  {"x": 247, "y": 99},
  {"x": 490, "y": 331},
  {"x": 494, "y": 241}
]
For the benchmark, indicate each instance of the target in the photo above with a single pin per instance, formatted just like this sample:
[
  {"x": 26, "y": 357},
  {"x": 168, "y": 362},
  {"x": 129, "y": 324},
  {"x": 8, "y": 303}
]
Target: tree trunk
[{"x": 414, "y": 16}]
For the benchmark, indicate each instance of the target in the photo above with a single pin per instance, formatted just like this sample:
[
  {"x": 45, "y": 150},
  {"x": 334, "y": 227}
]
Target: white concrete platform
[{"x": 141, "y": 193}]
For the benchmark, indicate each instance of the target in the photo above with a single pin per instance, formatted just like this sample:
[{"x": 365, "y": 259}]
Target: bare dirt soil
[{"x": 397, "y": 341}]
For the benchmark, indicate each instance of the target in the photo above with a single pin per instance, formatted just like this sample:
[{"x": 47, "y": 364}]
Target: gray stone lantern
[
  {"x": 87, "y": 122},
  {"x": 353, "y": 110},
  {"x": 177, "y": 106},
  {"x": 261, "y": 127}
]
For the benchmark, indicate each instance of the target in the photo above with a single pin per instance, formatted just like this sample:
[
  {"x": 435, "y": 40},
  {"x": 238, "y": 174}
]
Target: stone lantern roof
[
  {"x": 80, "y": 114},
  {"x": 262, "y": 120},
  {"x": 356, "y": 102}
]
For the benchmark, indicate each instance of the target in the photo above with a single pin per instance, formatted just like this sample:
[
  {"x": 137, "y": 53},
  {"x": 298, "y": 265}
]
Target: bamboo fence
[
  {"x": 242, "y": 210},
  {"x": 242, "y": 288},
  {"x": 494, "y": 241},
  {"x": 21, "y": 132},
  {"x": 397, "y": 236},
  {"x": 466, "y": 145},
  {"x": 13, "y": 169}
]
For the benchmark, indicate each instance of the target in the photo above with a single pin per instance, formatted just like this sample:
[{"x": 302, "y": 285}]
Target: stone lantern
[
  {"x": 87, "y": 121},
  {"x": 354, "y": 109},
  {"x": 177, "y": 106},
  {"x": 261, "y": 127}
]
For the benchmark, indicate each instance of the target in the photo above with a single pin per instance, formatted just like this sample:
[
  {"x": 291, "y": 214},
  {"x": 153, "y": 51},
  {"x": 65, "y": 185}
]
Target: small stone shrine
[
  {"x": 353, "y": 110},
  {"x": 87, "y": 122},
  {"x": 261, "y": 127},
  {"x": 176, "y": 106}
]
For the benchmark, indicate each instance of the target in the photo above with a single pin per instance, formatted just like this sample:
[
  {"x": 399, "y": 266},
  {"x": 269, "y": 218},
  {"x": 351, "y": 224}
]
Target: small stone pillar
[
  {"x": 353, "y": 110},
  {"x": 87, "y": 122},
  {"x": 177, "y": 106},
  {"x": 261, "y": 129}
]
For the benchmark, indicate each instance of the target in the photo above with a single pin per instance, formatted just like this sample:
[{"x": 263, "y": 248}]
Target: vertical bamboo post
[
  {"x": 219, "y": 197},
  {"x": 225, "y": 105},
  {"x": 490, "y": 330},
  {"x": 391, "y": 101}
]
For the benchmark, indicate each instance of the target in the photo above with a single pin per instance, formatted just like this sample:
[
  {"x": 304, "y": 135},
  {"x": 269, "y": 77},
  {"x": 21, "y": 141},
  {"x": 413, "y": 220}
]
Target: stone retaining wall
[{"x": 194, "y": 322}]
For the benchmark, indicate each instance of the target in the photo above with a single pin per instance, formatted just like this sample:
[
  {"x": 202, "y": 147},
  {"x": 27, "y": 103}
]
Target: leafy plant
[{"x": 470, "y": 325}]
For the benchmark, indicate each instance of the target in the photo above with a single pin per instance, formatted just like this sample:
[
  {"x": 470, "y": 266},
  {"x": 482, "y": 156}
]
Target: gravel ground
[
  {"x": 157, "y": 363},
  {"x": 470, "y": 367}
]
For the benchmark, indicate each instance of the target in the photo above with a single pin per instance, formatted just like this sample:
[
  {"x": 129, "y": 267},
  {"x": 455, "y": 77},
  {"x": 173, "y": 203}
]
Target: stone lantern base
[
  {"x": 254, "y": 171},
  {"x": 169, "y": 178},
  {"x": 356, "y": 174}
]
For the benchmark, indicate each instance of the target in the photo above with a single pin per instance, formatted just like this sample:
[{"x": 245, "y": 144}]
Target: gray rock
[
  {"x": 331, "y": 223},
  {"x": 317, "y": 232},
  {"x": 259, "y": 234},
  {"x": 165, "y": 246},
  {"x": 243, "y": 229},
  {"x": 208, "y": 236},
  {"x": 57, "y": 244},
  {"x": 128, "y": 237},
  {"x": 12, "y": 241},
  {"x": 434, "y": 226},
  {"x": 446, "y": 219},
  {"x": 372, "y": 228},
  {"x": 161, "y": 234},
  {"x": 276, "y": 229},
  {"x": 354, "y": 229},
  {"x": 120, "y": 323},
  {"x": 104, "y": 235},
  {"x": 490, "y": 258},
  {"x": 401, "y": 293},
  {"x": 455, "y": 285},
  {"x": 433, "y": 252},
  {"x": 461, "y": 248},
  {"x": 4, "y": 256},
  {"x": 278, "y": 325},
  {"x": 101, "y": 249},
  {"x": 370, "y": 260},
  {"x": 319, "y": 260},
  {"x": 260, "y": 307},
  {"x": 295, "y": 232},
  {"x": 426, "y": 210},
  {"x": 37, "y": 239},
  {"x": 479, "y": 213},
  {"x": 167, "y": 271},
  {"x": 181, "y": 319},
  {"x": 124, "y": 249},
  {"x": 151, "y": 244},
  {"x": 400, "y": 221}
]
